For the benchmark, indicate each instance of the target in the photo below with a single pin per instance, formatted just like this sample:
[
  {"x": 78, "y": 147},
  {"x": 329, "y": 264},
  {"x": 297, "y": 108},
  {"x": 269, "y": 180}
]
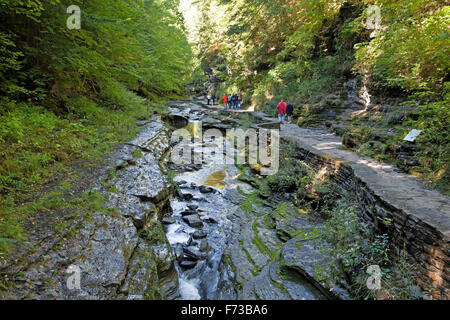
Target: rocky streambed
[
  {"x": 223, "y": 249},
  {"x": 172, "y": 231}
]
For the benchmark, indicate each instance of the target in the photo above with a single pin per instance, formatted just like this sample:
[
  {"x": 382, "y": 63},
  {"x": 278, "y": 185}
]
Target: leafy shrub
[{"x": 354, "y": 247}]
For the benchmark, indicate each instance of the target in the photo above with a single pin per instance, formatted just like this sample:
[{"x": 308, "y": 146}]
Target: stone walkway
[{"x": 401, "y": 190}]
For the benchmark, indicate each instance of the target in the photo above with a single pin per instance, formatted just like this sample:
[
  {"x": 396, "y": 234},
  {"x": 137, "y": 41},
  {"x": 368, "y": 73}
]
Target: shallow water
[{"x": 206, "y": 193}]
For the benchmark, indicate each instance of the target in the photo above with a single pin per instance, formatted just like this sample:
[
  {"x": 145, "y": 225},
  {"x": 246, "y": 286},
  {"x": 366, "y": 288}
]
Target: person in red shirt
[
  {"x": 281, "y": 110},
  {"x": 225, "y": 101}
]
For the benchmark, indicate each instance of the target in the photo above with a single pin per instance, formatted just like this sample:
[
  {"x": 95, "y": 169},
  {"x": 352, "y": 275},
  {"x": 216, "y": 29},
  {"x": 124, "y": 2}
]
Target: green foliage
[
  {"x": 268, "y": 48},
  {"x": 434, "y": 158},
  {"x": 380, "y": 136},
  {"x": 294, "y": 176},
  {"x": 411, "y": 49},
  {"x": 354, "y": 247},
  {"x": 67, "y": 95}
]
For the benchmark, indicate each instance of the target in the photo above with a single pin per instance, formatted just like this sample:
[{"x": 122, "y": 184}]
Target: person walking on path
[
  {"x": 281, "y": 110},
  {"x": 225, "y": 101},
  {"x": 234, "y": 99},
  {"x": 239, "y": 101},
  {"x": 289, "y": 112},
  {"x": 229, "y": 101},
  {"x": 213, "y": 98}
]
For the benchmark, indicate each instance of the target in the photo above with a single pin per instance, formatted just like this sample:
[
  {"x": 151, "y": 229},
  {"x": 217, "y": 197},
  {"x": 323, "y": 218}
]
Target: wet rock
[
  {"x": 262, "y": 287},
  {"x": 177, "y": 121},
  {"x": 122, "y": 156},
  {"x": 179, "y": 194},
  {"x": 188, "y": 264},
  {"x": 188, "y": 213},
  {"x": 192, "y": 253},
  {"x": 203, "y": 245},
  {"x": 181, "y": 183},
  {"x": 204, "y": 189},
  {"x": 192, "y": 207},
  {"x": 101, "y": 249},
  {"x": 287, "y": 228},
  {"x": 199, "y": 235},
  {"x": 167, "y": 275},
  {"x": 193, "y": 221},
  {"x": 307, "y": 258},
  {"x": 189, "y": 242},
  {"x": 130, "y": 206},
  {"x": 169, "y": 220},
  {"x": 149, "y": 134},
  {"x": 208, "y": 219},
  {"x": 186, "y": 196},
  {"x": 142, "y": 123},
  {"x": 143, "y": 180},
  {"x": 179, "y": 252},
  {"x": 207, "y": 122},
  {"x": 142, "y": 280}
]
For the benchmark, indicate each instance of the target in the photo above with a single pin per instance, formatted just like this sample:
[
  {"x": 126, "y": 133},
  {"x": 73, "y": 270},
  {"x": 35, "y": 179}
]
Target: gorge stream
[{"x": 213, "y": 238}]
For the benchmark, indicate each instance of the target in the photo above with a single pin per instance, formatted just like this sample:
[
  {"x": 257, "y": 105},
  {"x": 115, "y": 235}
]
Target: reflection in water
[{"x": 216, "y": 180}]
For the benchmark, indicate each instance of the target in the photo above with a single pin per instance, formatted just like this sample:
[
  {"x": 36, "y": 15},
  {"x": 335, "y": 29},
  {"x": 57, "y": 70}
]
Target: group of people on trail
[
  {"x": 284, "y": 109},
  {"x": 232, "y": 101}
]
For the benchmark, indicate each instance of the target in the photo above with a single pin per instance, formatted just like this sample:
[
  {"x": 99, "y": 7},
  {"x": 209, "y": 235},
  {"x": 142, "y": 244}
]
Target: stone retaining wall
[{"x": 427, "y": 247}]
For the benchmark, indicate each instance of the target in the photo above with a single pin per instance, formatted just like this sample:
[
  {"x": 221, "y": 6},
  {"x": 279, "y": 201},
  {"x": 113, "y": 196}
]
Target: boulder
[
  {"x": 199, "y": 235},
  {"x": 169, "y": 220},
  {"x": 193, "y": 221}
]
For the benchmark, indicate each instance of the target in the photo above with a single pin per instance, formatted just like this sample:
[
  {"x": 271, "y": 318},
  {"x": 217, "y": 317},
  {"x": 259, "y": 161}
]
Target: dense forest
[
  {"x": 305, "y": 52},
  {"x": 69, "y": 94}
]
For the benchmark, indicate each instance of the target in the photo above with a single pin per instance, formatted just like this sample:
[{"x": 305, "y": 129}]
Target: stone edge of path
[{"x": 421, "y": 217}]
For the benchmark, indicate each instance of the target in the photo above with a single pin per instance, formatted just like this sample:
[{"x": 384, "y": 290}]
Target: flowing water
[
  {"x": 199, "y": 245},
  {"x": 205, "y": 212}
]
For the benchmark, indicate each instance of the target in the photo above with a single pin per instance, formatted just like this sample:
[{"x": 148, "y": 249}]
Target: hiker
[
  {"x": 208, "y": 97},
  {"x": 289, "y": 112},
  {"x": 225, "y": 101},
  {"x": 213, "y": 98},
  {"x": 229, "y": 101},
  {"x": 281, "y": 110},
  {"x": 234, "y": 99},
  {"x": 239, "y": 100}
]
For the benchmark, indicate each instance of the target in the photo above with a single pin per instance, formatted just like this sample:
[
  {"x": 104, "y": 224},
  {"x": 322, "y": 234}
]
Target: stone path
[{"x": 399, "y": 189}]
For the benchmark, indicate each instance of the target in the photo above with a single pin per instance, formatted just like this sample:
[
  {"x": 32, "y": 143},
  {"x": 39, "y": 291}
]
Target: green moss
[
  {"x": 229, "y": 261},
  {"x": 250, "y": 202},
  {"x": 280, "y": 286},
  {"x": 137, "y": 153}
]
